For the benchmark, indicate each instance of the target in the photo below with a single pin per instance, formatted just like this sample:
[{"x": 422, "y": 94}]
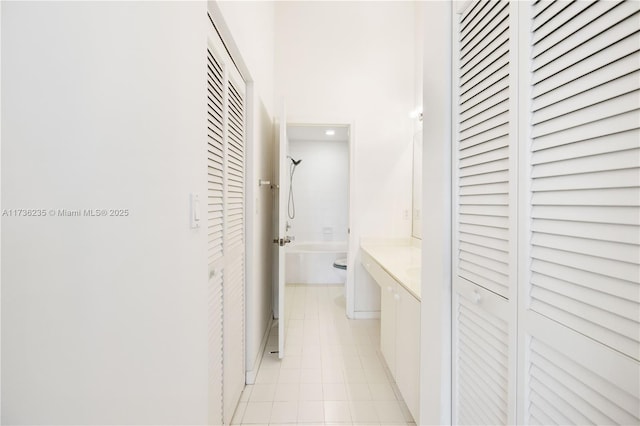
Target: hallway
[{"x": 332, "y": 372}]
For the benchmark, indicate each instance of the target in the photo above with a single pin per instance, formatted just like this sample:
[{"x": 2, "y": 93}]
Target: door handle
[{"x": 282, "y": 241}]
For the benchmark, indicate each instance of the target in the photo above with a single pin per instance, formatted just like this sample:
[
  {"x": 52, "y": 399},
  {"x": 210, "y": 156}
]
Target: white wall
[
  {"x": 353, "y": 63},
  {"x": 435, "y": 380},
  {"x": 104, "y": 319},
  {"x": 248, "y": 29},
  {"x": 321, "y": 190}
]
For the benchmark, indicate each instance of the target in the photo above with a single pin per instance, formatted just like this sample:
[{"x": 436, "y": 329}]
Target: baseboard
[
  {"x": 250, "y": 375},
  {"x": 366, "y": 315}
]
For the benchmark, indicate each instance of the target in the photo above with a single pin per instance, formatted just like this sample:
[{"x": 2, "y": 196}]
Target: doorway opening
[
  {"x": 313, "y": 216},
  {"x": 318, "y": 204}
]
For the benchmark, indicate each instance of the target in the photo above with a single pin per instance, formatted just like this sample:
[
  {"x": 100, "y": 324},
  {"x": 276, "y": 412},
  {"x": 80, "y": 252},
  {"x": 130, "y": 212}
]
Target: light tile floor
[{"x": 332, "y": 372}]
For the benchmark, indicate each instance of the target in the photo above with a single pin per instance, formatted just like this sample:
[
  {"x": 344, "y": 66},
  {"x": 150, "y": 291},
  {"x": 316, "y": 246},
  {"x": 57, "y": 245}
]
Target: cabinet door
[
  {"x": 388, "y": 308},
  {"x": 408, "y": 350}
]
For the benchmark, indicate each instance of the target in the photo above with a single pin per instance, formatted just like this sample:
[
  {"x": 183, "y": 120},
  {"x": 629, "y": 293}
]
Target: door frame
[{"x": 353, "y": 235}]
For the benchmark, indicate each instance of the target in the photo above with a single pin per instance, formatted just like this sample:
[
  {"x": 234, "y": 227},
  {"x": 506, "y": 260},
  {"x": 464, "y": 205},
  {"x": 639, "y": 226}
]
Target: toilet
[{"x": 340, "y": 265}]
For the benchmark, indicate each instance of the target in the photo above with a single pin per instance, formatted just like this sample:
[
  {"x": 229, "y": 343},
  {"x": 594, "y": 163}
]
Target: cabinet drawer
[{"x": 381, "y": 277}]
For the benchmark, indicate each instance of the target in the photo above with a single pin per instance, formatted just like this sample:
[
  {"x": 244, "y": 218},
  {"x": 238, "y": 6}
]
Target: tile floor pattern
[{"x": 332, "y": 373}]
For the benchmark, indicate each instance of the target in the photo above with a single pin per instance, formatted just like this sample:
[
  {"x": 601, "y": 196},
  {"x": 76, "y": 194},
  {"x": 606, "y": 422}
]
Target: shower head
[{"x": 295, "y": 162}]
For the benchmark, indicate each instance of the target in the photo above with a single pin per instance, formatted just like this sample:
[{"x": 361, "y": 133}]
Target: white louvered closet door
[
  {"x": 580, "y": 276},
  {"x": 234, "y": 352},
  {"x": 215, "y": 229},
  {"x": 226, "y": 231},
  {"x": 484, "y": 154}
]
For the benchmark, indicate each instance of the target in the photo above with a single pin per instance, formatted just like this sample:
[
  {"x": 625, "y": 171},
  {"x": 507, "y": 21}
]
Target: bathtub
[{"x": 312, "y": 262}]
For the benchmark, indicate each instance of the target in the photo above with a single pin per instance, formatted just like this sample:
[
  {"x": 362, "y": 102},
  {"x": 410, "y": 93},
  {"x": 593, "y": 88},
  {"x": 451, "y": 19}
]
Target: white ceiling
[{"x": 317, "y": 133}]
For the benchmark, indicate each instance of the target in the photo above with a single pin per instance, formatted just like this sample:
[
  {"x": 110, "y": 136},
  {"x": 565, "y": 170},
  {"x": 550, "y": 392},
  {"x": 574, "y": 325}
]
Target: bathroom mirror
[{"x": 416, "y": 225}]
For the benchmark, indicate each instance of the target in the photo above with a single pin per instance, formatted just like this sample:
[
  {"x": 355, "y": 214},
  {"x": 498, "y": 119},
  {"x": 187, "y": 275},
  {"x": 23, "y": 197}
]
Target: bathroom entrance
[
  {"x": 317, "y": 204},
  {"x": 315, "y": 169}
]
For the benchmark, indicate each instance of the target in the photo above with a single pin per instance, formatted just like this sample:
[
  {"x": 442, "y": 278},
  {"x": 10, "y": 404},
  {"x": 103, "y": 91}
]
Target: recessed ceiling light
[{"x": 330, "y": 132}]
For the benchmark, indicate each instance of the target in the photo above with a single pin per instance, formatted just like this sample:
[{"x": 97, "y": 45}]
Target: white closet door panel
[
  {"x": 226, "y": 231},
  {"x": 576, "y": 380},
  {"x": 484, "y": 153},
  {"x": 482, "y": 375},
  {"x": 215, "y": 233},
  {"x": 585, "y": 169},
  {"x": 234, "y": 378}
]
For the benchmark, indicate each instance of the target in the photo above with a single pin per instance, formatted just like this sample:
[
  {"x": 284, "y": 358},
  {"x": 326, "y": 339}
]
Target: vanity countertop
[{"x": 399, "y": 258}]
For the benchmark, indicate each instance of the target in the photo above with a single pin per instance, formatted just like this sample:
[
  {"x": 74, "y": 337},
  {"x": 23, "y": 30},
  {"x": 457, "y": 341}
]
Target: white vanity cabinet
[
  {"x": 399, "y": 331},
  {"x": 407, "y": 372}
]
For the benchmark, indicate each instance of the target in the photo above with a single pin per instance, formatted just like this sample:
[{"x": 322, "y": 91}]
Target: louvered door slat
[
  {"x": 552, "y": 9},
  {"x": 619, "y": 87},
  {"x": 571, "y": 18}
]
